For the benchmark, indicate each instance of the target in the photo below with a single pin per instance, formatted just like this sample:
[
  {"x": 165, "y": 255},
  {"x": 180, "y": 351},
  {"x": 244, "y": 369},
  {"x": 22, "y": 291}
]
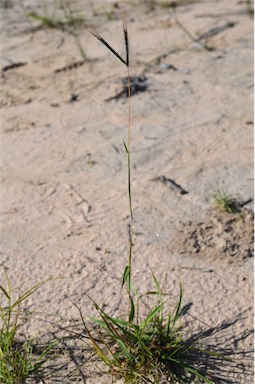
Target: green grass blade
[
  {"x": 134, "y": 290},
  {"x": 178, "y": 307},
  {"x": 5, "y": 292},
  {"x": 122, "y": 327},
  {"x": 129, "y": 191},
  {"x": 125, "y": 278},
  {"x": 151, "y": 315},
  {"x": 125, "y": 146},
  {"x": 168, "y": 326},
  {"x": 124, "y": 350},
  {"x": 107, "y": 320},
  {"x": 126, "y": 275},
  {"x": 111, "y": 321},
  {"x": 8, "y": 283},
  {"x": 156, "y": 283},
  {"x": 48, "y": 22},
  {"x": 101, "y": 323},
  {"x": 199, "y": 375},
  {"x": 29, "y": 292},
  {"x": 98, "y": 350}
]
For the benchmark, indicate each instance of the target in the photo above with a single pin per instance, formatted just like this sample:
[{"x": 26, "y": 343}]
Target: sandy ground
[{"x": 64, "y": 204}]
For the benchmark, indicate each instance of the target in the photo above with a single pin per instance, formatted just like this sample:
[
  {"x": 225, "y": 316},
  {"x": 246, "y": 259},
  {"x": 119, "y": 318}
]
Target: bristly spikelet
[
  {"x": 125, "y": 30},
  {"x": 102, "y": 40}
]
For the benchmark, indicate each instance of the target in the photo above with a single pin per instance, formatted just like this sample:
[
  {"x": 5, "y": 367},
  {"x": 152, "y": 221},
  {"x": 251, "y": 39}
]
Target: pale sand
[{"x": 64, "y": 203}]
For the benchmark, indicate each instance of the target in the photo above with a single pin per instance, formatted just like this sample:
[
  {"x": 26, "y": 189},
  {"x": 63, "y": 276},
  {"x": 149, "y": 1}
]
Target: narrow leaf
[
  {"x": 151, "y": 315},
  {"x": 134, "y": 290},
  {"x": 124, "y": 350},
  {"x": 197, "y": 374},
  {"x": 98, "y": 322},
  {"x": 5, "y": 293},
  {"x": 125, "y": 146},
  {"x": 126, "y": 275},
  {"x": 156, "y": 283},
  {"x": 45, "y": 20},
  {"x": 30, "y": 292},
  {"x": 178, "y": 306}
]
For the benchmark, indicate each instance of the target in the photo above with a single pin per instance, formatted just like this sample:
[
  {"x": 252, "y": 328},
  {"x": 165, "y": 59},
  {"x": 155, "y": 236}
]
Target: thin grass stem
[
  {"x": 127, "y": 149},
  {"x": 129, "y": 145},
  {"x": 126, "y": 40}
]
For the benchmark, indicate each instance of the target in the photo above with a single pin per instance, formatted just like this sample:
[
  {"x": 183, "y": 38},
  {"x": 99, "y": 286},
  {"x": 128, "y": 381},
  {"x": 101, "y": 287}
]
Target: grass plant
[
  {"x": 225, "y": 202},
  {"x": 142, "y": 348},
  {"x": 127, "y": 145},
  {"x": 17, "y": 358}
]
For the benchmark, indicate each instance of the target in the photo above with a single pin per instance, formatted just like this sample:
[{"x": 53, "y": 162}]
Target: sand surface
[{"x": 64, "y": 203}]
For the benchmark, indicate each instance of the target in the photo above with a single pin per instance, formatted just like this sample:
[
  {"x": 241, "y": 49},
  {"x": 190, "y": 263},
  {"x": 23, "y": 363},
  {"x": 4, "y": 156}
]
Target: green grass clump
[
  {"x": 145, "y": 349},
  {"x": 225, "y": 202},
  {"x": 17, "y": 358}
]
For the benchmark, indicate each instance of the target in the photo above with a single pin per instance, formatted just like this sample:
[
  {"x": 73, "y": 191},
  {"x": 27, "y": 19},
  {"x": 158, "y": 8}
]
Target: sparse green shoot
[
  {"x": 225, "y": 202},
  {"x": 17, "y": 358}
]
